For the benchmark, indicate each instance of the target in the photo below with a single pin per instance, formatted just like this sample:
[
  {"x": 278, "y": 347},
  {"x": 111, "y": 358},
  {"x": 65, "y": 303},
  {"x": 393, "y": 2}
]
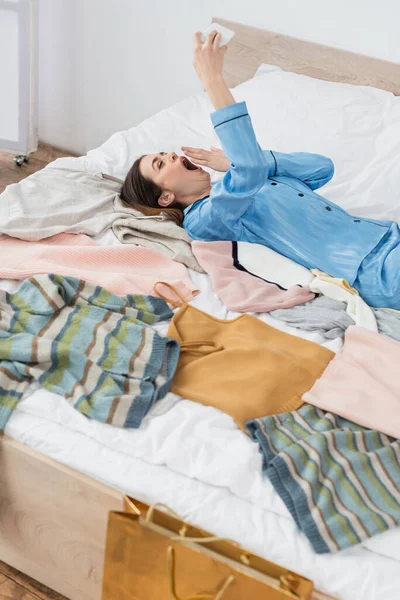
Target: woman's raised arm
[
  {"x": 208, "y": 60},
  {"x": 248, "y": 167}
]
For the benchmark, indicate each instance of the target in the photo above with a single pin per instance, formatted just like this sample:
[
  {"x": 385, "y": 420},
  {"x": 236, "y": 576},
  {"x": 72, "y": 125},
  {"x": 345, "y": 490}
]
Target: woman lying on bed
[{"x": 265, "y": 197}]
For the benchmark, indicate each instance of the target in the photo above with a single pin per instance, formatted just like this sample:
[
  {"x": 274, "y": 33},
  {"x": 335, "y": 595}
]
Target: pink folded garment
[
  {"x": 238, "y": 289},
  {"x": 122, "y": 269},
  {"x": 362, "y": 383}
]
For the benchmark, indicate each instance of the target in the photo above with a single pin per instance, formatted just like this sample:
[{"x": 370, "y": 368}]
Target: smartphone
[{"x": 226, "y": 34}]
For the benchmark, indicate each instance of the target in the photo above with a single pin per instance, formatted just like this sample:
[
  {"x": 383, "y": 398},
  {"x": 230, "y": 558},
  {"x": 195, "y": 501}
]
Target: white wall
[{"x": 105, "y": 65}]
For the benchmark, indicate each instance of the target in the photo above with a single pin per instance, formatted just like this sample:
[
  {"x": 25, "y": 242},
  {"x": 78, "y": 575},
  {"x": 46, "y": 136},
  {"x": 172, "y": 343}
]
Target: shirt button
[
  {"x": 301, "y": 195},
  {"x": 328, "y": 208},
  {"x": 357, "y": 221},
  {"x": 273, "y": 183}
]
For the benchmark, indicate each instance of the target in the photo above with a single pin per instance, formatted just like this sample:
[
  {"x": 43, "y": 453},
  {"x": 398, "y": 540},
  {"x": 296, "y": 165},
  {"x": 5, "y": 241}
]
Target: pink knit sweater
[
  {"x": 240, "y": 291},
  {"x": 124, "y": 269},
  {"x": 361, "y": 383}
]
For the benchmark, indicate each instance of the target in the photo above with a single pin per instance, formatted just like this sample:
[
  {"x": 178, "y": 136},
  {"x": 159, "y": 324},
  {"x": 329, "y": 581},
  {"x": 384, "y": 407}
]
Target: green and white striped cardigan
[
  {"x": 339, "y": 480},
  {"x": 93, "y": 347}
]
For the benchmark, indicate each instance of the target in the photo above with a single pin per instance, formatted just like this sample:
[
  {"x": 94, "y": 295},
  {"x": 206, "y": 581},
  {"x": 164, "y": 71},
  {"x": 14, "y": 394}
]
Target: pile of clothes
[{"x": 82, "y": 324}]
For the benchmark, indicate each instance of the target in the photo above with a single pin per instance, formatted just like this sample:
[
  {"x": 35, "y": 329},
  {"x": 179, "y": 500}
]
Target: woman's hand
[
  {"x": 208, "y": 61},
  {"x": 208, "y": 58},
  {"x": 214, "y": 158}
]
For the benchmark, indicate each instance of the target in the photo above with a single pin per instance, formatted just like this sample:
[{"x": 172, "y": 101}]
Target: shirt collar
[{"x": 189, "y": 208}]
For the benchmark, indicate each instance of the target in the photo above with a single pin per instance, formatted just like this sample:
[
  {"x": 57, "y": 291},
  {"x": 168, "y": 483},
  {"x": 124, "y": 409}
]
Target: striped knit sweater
[
  {"x": 340, "y": 481},
  {"x": 95, "y": 348}
]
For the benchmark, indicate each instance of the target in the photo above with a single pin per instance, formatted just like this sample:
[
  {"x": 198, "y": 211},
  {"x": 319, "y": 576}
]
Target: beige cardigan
[{"x": 55, "y": 200}]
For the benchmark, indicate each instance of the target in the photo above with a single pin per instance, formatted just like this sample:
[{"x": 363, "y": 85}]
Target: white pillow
[
  {"x": 265, "y": 68},
  {"x": 357, "y": 126}
]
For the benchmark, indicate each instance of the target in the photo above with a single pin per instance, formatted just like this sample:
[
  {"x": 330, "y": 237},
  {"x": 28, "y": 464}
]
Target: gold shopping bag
[{"x": 152, "y": 554}]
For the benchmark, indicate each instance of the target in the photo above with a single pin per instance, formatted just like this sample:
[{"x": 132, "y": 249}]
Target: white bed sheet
[{"x": 194, "y": 458}]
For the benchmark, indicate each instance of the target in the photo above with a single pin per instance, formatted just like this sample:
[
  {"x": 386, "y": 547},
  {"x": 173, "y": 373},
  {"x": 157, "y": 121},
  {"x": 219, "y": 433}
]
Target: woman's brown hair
[{"x": 142, "y": 194}]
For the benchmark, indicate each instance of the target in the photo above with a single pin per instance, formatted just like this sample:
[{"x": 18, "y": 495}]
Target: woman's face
[{"x": 174, "y": 174}]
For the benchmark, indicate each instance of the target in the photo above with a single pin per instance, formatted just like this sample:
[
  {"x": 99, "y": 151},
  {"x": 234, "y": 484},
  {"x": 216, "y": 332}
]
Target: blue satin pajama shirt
[{"x": 269, "y": 198}]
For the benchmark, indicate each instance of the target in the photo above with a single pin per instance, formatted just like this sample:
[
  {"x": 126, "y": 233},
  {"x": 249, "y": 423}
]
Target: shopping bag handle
[
  {"x": 286, "y": 581},
  {"x": 244, "y": 557},
  {"x": 172, "y": 588}
]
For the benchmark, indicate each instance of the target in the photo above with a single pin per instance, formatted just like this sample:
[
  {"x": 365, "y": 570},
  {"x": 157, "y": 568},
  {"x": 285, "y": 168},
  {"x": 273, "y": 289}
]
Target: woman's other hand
[
  {"x": 208, "y": 58},
  {"x": 214, "y": 158}
]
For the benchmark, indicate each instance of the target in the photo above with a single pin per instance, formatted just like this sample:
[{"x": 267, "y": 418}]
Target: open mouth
[{"x": 189, "y": 165}]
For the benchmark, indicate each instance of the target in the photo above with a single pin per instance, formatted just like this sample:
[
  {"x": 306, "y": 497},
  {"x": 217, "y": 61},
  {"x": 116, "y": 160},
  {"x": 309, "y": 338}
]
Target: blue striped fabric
[
  {"x": 340, "y": 481},
  {"x": 95, "y": 348}
]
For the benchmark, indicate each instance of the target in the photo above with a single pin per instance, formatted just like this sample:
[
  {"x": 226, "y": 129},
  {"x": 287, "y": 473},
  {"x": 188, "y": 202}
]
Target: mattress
[{"x": 191, "y": 457}]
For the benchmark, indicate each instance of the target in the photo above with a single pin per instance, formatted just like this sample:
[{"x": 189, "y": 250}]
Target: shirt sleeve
[
  {"x": 234, "y": 128},
  {"x": 314, "y": 170},
  {"x": 249, "y": 166}
]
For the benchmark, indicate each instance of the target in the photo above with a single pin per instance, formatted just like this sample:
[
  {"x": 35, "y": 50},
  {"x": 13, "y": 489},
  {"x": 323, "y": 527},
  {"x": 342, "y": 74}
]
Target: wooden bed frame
[{"x": 53, "y": 518}]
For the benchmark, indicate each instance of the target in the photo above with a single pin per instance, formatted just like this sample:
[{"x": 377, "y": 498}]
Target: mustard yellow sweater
[{"x": 243, "y": 367}]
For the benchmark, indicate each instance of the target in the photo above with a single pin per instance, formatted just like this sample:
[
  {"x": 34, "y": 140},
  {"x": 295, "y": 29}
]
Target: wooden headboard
[{"x": 252, "y": 47}]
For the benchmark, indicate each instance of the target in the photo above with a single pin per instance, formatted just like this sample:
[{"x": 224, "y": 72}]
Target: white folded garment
[{"x": 56, "y": 200}]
